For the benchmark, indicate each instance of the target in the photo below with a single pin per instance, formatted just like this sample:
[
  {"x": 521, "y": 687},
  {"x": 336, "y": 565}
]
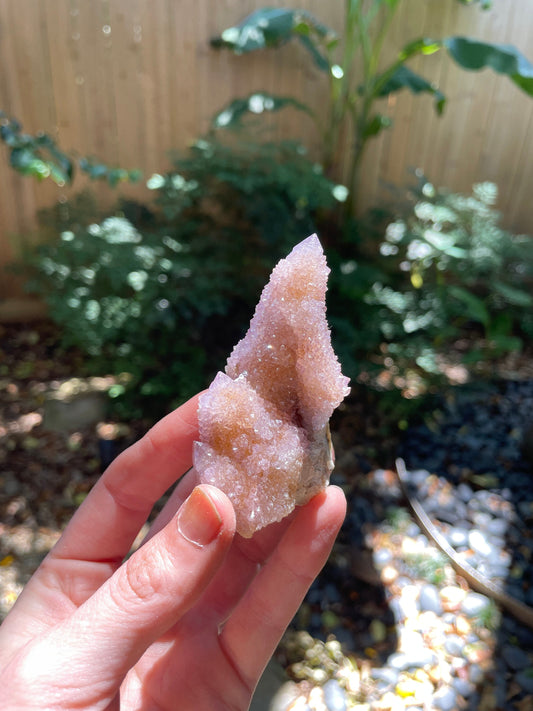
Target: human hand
[{"x": 189, "y": 620}]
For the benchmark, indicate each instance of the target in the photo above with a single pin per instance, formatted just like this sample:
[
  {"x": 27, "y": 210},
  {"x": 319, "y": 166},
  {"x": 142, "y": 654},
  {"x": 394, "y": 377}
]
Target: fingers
[
  {"x": 245, "y": 558},
  {"x": 254, "y": 629},
  {"x": 106, "y": 524},
  {"x": 148, "y": 594},
  {"x": 181, "y": 491}
]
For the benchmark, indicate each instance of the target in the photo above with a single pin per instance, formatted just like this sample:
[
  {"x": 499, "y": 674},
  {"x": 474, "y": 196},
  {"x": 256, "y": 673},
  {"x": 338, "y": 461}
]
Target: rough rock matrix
[{"x": 264, "y": 437}]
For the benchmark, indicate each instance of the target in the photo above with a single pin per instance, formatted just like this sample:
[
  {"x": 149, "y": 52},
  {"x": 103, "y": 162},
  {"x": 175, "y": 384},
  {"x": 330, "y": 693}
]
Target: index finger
[{"x": 106, "y": 524}]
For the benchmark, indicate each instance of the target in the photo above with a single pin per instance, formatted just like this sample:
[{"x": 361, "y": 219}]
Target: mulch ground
[{"x": 46, "y": 474}]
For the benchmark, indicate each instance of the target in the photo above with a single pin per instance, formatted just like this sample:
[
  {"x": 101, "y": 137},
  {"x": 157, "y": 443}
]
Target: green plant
[
  {"x": 40, "y": 157},
  {"x": 356, "y": 74},
  {"x": 453, "y": 270},
  {"x": 429, "y": 565},
  {"x": 398, "y": 519},
  {"x": 166, "y": 302}
]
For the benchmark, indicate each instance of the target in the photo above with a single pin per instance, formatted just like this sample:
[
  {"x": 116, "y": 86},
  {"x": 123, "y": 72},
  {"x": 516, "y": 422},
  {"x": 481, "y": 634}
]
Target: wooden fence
[{"x": 127, "y": 80}]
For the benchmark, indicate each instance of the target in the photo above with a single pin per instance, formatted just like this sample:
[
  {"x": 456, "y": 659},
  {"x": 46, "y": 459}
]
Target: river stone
[
  {"x": 515, "y": 657},
  {"x": 479, "y": 544},
  {"x": 474, "y": 604},
  {"x": 463, "y": 687},
  {"x": 525, "y": 680},
  {"x": 334, "y": 696},
  {"x": 429, "y": 599},
  {"x": 454, "y": 645},
  {"x": 445, "y": 699}
]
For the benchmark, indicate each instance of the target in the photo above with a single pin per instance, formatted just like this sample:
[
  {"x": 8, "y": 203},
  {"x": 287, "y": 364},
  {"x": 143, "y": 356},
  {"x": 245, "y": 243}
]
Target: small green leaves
[
  {"x": 114, "y": 176},
  {"x": 232, "y": 115},
  {"x": 9, "y": 130},
  {"x": 40, "y": 157},
  {"x": 36, "y": 156},
  {"x": 502, "y": 58}
]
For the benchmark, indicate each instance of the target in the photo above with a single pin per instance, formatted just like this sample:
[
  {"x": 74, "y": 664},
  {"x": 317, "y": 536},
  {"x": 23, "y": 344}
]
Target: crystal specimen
[{"x": 264, "y": 436}]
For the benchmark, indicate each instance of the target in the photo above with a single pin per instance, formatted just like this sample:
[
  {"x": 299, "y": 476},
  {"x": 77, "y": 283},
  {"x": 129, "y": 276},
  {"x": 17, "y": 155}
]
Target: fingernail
[{"x": 198, "y": 519}]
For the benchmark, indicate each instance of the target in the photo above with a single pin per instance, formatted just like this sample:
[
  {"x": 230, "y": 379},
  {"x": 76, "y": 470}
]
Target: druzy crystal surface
[{"x": 264, "y": 436}]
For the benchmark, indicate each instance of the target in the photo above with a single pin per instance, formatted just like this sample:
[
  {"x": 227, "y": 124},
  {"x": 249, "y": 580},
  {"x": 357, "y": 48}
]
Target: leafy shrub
[
  {"x": 453, "y": 271},
  {"x": 166, "y": 302}
]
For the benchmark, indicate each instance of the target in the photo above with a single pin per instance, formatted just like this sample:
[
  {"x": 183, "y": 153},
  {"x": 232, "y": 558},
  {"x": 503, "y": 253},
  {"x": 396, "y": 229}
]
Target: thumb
[{"x": 148, "y": 594}]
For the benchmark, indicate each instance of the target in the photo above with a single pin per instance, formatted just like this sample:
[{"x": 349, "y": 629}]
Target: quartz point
[{"x": 263, "y": 424}]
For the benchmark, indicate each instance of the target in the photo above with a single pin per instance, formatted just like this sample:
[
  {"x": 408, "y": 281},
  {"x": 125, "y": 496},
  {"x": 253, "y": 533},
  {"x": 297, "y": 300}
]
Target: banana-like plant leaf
[
  {"x": 502, "y": 58},
  {"x": 405, "y": 78},
  {"x": 319, "y": 59},
  {"x": 272, "y": 27},
  {"x": 267, "y": 27},
  {"x": 257, "y": 103}
]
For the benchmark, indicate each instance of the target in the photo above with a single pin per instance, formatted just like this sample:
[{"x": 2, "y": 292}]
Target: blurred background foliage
[
  {"x": 357, "y": 76},
  {"x": 164, "y": 292},
  {"x": 163, "y": 289}
]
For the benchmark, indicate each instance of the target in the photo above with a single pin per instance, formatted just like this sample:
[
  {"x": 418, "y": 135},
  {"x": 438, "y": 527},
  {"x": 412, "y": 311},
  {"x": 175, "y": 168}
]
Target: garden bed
[{"x": 384, "y": 580}]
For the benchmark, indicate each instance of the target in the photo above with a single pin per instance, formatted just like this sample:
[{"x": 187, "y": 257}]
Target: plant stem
[
  {"x": 369, "y": 91},
  {"x": 340, "y": 87}
]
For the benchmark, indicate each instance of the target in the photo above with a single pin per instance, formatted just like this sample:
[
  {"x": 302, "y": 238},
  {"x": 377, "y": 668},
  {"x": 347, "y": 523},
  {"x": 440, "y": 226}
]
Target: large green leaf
[
  {"x": 405, "y": 78},
  {"x": 272, "y": 27},
  {"x": 502, "y": 58},
  {"x": 267, "y": 27},
  {"x": 232, "y": 115}
]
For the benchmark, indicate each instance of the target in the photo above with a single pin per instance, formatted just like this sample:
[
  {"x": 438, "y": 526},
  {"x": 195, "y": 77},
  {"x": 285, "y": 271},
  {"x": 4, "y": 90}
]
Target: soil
[{"x": 44, "y": 474}]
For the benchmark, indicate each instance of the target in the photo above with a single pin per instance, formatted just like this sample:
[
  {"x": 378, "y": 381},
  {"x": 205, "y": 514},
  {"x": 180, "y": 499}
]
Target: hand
[{"x": 189, "y": 620}]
